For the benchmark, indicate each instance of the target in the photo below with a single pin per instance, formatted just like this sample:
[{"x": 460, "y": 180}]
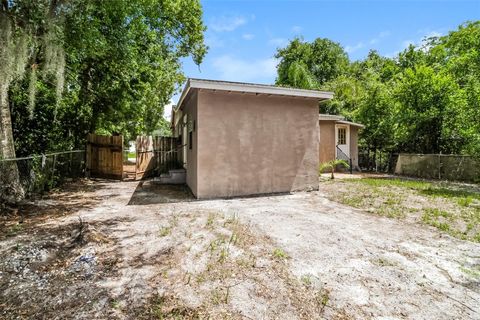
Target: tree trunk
[{"x": 11, "y": 190}]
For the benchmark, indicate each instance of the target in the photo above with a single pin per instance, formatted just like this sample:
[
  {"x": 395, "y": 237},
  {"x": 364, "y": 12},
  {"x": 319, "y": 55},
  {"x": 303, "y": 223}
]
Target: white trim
[
  {"x": 251, "y": 88},
  {"x": 351, "y": 123},
  {"x": 330, "y": 117},
  {"x": 347, "y": 138}
]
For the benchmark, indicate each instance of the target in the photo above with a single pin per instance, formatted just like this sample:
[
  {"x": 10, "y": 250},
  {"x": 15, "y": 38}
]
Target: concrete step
[{"x": 176, "y": 176}]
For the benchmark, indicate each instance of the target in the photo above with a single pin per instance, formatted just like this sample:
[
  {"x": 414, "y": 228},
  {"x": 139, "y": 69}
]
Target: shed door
[{"x": 342, "y": 137}]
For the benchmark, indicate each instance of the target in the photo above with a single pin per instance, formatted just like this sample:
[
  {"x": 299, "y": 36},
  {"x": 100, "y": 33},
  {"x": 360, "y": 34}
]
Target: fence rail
[{"x": 39, "y": 173}]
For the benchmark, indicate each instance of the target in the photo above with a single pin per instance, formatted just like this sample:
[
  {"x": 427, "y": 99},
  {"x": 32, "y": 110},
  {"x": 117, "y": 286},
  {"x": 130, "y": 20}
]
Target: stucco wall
[
  {"x": 191, "y": 109},
  {"x": 439, "y": 166},
  {"x": 254, "y": 144},
  {"x": 327, "y": 141}
]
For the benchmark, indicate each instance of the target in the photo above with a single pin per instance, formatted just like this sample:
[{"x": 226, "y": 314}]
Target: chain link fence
[{"x": 40, "y": 173}]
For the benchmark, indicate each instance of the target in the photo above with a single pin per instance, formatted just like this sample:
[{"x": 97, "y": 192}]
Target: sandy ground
[{"x": 143, "y": 251}]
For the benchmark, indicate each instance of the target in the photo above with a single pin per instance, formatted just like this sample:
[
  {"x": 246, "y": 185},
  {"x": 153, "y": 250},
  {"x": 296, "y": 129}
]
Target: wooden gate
[
  {"x": 155, "y": 155},
  {"x": 104, "y": 156},
  {"x": 167, "y": 150},
  {"x": 144, "y": 162}
]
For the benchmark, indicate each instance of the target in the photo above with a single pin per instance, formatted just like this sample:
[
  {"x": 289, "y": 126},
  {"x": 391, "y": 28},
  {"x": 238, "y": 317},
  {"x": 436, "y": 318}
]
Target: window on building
[
  {"x": 190, "y": 140},
  {"x": 342, "y": 136}
]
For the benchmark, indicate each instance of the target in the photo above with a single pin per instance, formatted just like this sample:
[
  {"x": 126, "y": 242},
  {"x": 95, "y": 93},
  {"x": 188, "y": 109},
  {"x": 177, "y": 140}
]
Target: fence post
[{"x": 440, "y": 166}]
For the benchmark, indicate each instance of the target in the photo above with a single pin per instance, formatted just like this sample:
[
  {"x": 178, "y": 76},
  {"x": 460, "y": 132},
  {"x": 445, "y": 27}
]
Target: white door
[{"x": 342, "y": 137}]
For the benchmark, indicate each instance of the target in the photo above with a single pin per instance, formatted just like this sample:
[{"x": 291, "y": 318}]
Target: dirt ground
[{"x": 130, "y": 250}]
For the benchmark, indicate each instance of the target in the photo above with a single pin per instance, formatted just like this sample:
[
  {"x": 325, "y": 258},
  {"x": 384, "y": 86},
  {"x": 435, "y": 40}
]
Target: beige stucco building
[
  {"x": 338, "y": 139},
  {"x": 243, "y": 139},
  {"x": 238, "y": 139}
]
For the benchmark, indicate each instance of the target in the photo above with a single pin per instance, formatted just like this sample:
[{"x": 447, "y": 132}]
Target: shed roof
[
  {"x": 334, "y": 117},
  {"x": 338, "y": 119},
  {"x": 251, "y": 88}
]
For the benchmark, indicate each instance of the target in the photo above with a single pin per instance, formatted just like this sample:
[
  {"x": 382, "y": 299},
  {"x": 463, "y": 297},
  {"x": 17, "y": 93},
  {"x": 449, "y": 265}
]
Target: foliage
[
  {"x": 121, "y": 62},
  {"x": 424, "y": 100},
  {"x": 309, "y": 65},
  {"x": 331, "y": 165}
]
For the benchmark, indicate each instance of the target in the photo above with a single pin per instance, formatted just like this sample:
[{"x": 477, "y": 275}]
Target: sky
[{"x": 243, "y": 36}]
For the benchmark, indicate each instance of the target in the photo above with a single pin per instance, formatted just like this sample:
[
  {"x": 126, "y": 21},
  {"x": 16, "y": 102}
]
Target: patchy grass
[
  {"x": 473, "y": 271},
  {"x": 13, "y": 230},
  {"x": 452, "y": 208},
  {"x": 280, "y": 254}
]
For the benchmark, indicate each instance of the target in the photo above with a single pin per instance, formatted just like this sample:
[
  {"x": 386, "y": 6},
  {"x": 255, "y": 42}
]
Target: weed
[
  {"x": 280, "y": 254},
  {"x": 210, "y": 220},
  {"x": 218, "y": 297},
  {"x": 223, "y": 254},
  {"x": 233, "y": 239},
  {"x": 114, "y": 304},
  {"x": 475, "y": 272},
  {"x": 306, "y": 279},
  {"x": 173, "y": 220},
  {"x": 384, "y": 262},
  {"x": 200, "y": 278},
  {"x": 465, "y": 202},
  {"x": 15, "y": 229},
  {"x": 436, "y": 218},
  {"x": 164, "y": 231},
  {"x": 323, "y": 297}
]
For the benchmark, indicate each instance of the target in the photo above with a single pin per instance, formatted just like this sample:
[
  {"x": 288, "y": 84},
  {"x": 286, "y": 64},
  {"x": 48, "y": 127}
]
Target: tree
[
  {"x": 29, "y": 35},
  {"x": 425, "y": 101},
  {"x": 121, "y": 61},
  {"x": 331, "y": 165},
  {"x": 310, "y": 65}
]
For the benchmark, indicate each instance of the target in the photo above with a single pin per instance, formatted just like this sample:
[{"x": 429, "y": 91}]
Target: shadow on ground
[
  {"x": 70, "y": 199},
  {"x": 147, "y": 193}
]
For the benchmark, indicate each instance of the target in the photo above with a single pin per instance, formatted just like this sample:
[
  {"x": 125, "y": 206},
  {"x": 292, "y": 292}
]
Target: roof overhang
[
  {"x": 338, "y": 119},
  {"x": 250, "y": 88},
  {"x": 354, "y": 124},
  {"x": 330, "y": 117}
]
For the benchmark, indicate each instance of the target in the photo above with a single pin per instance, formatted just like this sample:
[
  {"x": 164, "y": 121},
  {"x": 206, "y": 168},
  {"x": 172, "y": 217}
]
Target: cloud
[
  {"x": 351, "y": 49},
  {"x": 235, "y": 69},
  {"x": 296, "y": 29},
  {"x": 226, "y": 23},
  {"x": 213, "y": 41},
  {"x": 422, "y": 42},
  {"x": 278, "y": 42},
  {"x": 248, "y": 36},
  {"x": 380, "y": 36}
]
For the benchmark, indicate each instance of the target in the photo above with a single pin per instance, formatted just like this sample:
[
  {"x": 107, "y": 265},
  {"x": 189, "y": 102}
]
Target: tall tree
[
  {"x": 28, "y": 36},
  {"x": 121, "y": 60},
  {"x": 310, "y": 65}
]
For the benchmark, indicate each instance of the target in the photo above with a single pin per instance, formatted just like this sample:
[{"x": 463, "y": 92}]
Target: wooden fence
[
  {"x": 166, "y": 153},
  {"x": 154, "y": 155},
  {"x": 145, "y": 162},
  {"x": 104, "y": 157}
]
